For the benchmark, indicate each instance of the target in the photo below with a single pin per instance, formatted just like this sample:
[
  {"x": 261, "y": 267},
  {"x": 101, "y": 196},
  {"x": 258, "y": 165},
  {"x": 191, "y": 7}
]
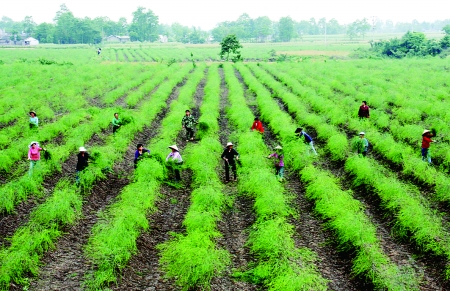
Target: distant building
[
  {"x": 163, "y": 38},
  {"x": 116, "y": 38},
  {"x": 30, "y": 41}
]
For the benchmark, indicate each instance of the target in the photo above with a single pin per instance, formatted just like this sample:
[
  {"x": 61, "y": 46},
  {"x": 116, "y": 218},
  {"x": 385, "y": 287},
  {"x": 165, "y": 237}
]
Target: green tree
[
  {"x": 230, "y": 45},
  {"x": 263, "y": 28},
  {"x": 446, "y": 29},
  {"x": 28, "y": 25},
  {"x": 44, "y": 32},
  {"x": 144, "y": 25},
  {"x": 286, "y": 29}
]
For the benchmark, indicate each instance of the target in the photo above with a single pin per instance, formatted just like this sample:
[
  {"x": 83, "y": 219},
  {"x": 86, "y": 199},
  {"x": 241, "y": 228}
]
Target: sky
[{"x": 207, "y": 13}]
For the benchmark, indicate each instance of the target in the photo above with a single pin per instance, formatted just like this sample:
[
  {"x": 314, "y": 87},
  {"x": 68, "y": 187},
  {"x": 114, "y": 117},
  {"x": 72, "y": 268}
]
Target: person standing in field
[
  {"x": 279, "y": 162},
  {"x": 188, "y": 122},
  {"x": 140, "y": 150},
  {"x": 308, "y": 139},
  {"x": 99, "y": 51},
  {"x": 82, "y": 163},
  {"x": 257, "y": 125},
  {"x": 34, "y": 120},
  {"x": 362, "y": 144},
  {"x": 363, "y": 111},
  {"x": 116, "y": 122},
  {"x": 426, "y": 140},
  {"x": 230, "y": 156},
  {"x": 174, "y": 162},
  {"x": 34, "y": 155}
]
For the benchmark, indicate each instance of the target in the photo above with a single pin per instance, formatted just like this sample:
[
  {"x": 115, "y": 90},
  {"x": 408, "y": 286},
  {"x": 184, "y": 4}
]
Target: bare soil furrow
[{"x": 66, "y": 267}]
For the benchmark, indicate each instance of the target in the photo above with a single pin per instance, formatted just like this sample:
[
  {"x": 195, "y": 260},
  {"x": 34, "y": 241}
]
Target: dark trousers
[
  {"x": 115, "y": 128},
  {"x": 227, "y": 170},
  {"x": 189, "y": 133}
]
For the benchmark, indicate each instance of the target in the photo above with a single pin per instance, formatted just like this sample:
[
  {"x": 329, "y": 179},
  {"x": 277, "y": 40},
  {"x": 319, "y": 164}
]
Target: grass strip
[
  {"x": 113, "y": 239},
  {"x": 193, "y": 258},
  {"x": 279, "y": 264}
]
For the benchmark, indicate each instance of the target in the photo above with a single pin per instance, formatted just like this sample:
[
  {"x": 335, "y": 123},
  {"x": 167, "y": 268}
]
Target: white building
[{"x": 30, "y": 41}]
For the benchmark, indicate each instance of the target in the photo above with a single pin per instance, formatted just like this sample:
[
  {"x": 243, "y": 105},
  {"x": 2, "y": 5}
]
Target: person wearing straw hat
[
  {"x": 426, "y": 140},
  {"x": 82, "y": 163},
  {"x": 175, "y": 161},
  {"x": 230, "y": 156},
  {"x": 188, "y": 122},
  {"x": 362, "y": 144},
  {"x": 308, "y": 139},
  {"x": 279, "y": 162},
  {"x": 34, "y": 120},
  {"x": 34, "y": 155}
]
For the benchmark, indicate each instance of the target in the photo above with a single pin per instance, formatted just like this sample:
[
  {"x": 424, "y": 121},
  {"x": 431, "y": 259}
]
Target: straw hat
[
  {"x": 362, "y": 133},
  {"x": 425, "y": 131},
  {"x": 229, "y": 144},
  {"x": 32, "y": 112},
  {"x": 174, "y": 147},
  {"x": 82, "y": 149},
  {"x": 278, "y": 147},
  {"x": 31, "y": 143}
]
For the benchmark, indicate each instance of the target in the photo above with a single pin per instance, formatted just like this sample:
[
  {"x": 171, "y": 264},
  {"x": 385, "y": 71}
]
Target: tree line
[{"x": 145, "y": 26}]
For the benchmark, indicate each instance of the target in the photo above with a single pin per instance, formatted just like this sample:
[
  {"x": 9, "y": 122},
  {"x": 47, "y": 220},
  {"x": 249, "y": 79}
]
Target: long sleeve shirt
[
  {"x": 258, "y": 126},
  {"x": 174, "y": 156},
  {"x": 308, "y": 138},
  {"x": 278, "y": 159},
  {"x": 34, "y": 120},
  {"x": 188, "y": 121},
  {"x": 363, "y": 111},
  {"x": 34, "y": 154},
  {"x": 229, "y": 154},
  {"x": 116, "y": 121},
  {"x": 82, "y": 161},
  {"x": 426, "y": 142},
  {"x": 137, "y": 154},
  {"x": 363, "y": 145}
]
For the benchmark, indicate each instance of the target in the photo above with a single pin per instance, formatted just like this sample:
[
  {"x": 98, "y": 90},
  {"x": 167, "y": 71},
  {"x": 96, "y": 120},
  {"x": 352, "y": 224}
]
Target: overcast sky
[{"x": 207, "y": 13}]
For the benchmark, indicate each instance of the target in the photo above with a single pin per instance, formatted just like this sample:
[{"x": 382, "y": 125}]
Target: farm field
[{"x": 337, "y": 222}]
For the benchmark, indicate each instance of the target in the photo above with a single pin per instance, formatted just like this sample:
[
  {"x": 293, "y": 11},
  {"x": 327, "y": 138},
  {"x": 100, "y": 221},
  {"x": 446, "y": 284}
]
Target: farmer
[
  {"x": 279, "y": 163},
  {"x": 34, "y": 155},
  {"x": 257, "y": 125},
  {"x": 99, "y": 51},
  {"x": 188, "y": 122},
  {"x": 140, "y": 150},
  {"x": 363, "y": 111},
  {"x": 82, "y": 162},
  {"x": 228, "y": 156},
  {"x": 34, "y": 120},
  {"x": 175, "y": 160},
  {"x": 362, "y": 144},
  {"x": 116, "y": 122},
  {"x": 308, "y": 139},
  {"x": 426, "y": 140}
]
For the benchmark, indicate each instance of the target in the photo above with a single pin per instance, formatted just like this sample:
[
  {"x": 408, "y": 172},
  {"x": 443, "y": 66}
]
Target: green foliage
[{"x": 230, "y": 45}]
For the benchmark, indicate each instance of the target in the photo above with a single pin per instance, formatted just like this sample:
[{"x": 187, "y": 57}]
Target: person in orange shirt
[{"x": 257, "y": 125}]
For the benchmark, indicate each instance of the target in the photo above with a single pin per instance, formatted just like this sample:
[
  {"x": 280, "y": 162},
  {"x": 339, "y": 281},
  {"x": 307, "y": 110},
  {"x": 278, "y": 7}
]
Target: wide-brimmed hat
[
  {"x": 32, "y": 112},
  {"x": 278, "y": 147},
  {"x": 229, "y": 144},
  {"x": 174, "y": 147},
  {"x": 362, "y": 133},
  {"x": 31, "y": 143},
  {"x": 83, "y": 149},
  {"x": 425, "y": 131}
]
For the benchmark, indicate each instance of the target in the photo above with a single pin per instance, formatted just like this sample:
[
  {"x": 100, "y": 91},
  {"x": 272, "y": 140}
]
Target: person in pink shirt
[{"x": 34, "y": 155}]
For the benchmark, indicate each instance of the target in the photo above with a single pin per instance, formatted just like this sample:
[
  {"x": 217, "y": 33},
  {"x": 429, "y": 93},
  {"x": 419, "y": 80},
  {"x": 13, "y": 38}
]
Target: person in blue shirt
[{"x": 308, "y": 139}]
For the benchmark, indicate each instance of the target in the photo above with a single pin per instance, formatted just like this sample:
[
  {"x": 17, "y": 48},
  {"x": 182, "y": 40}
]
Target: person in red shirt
[
  {"x": 34, "y": 155},
  {"x": 257, "y": 125},
  {"x": 363, "y": 110},
  {"x": 426, "y": 140}
]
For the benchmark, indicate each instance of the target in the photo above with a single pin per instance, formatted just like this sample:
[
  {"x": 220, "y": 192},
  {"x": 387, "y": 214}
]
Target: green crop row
[
  {"x": 192, "y": 259},
  {"x": 279, "y": 264},
  {"x": 401, "y": 201},
  {"x": 370, "y": 260},
  {"x": 32, "y": 240},
  {"x": 113, "y": 239},
  {"x": 384, "y": 144}
]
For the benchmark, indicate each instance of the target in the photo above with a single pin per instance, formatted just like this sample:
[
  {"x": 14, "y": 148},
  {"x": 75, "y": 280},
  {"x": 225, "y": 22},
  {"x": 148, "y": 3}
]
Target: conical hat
[
  {"x": 31, "y": 143},
  {"x": 425, "y": 131},
  {"x": 278, "y": 147},
  {"x": 82, "y": 149},
  {"x": 229, "y": 144},
  {"x": 174, "y": 147}
]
